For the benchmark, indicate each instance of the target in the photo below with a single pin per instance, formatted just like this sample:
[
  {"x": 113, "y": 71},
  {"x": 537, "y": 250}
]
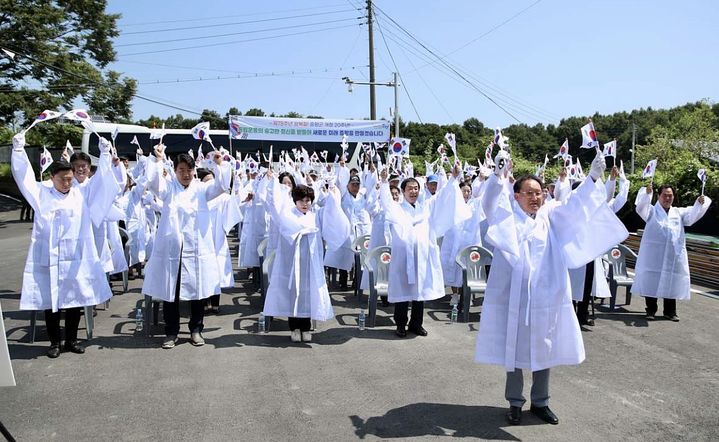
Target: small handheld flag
[
  {"x": 45, "y": 159},
  {"x": 68, "y": 148},
  {"x": 702, "y": 175},
  {"x": 563, "y": 149},
  {"x": 45, "y": 115},
  {"x": 500, "y": 140},
  {"x": 201, "y": 131},
  {"x": 399, "y": 146},
  {"x": 610, "y": 149},
  {"x": 648, "y": 171},
  {"x": 589, "y": 136}
]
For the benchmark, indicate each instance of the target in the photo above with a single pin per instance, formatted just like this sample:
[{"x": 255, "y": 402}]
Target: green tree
[
  {"x": 60, "y": 50},
  {"x": 255, "y": 112}
]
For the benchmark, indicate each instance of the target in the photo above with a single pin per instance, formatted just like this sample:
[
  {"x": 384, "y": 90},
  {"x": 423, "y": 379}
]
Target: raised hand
[{"x": 18, "y": 141}]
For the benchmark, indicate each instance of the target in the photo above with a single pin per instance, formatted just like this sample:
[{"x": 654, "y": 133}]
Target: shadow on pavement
[
  {"x": 428, "y": 419},
  {"x": 629, "y": 319}
]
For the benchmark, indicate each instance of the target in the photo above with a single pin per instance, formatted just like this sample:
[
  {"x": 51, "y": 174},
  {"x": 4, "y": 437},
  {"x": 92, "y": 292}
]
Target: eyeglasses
[{"x": 532, "y": 194}]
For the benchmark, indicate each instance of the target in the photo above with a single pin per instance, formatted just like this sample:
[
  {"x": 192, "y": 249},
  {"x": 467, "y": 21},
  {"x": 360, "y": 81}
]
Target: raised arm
[
  {"x": 692, "y": 214},
  {"x": 643, "y": 202},
  {"x": 23, "y": 173}
]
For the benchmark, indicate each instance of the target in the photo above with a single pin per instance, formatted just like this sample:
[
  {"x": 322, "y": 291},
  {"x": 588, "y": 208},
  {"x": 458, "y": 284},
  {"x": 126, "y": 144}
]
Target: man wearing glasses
[{"x": 528, "y": 321}]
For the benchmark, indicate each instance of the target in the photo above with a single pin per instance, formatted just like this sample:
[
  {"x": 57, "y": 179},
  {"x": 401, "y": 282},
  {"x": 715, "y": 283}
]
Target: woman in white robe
[
  {"x": 62, "y": 270},
  {"x": 298, "y": 289},
  {"x": 183, "y": 265},
  {"x": 414, "y": 269},
  {"x": 528, "y": 320},
  {"x": 662, "y": 269},
  {"x": 254, "y": 228}
]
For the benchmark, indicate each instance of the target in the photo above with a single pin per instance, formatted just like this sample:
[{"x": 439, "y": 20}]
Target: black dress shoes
[
  {"x": 74, "y": 347},
  {"x": 419, "y": 331},
  {"x": 514, "y": 415},
  {"x": 545, "y": 414},
  {"x": 401, "y": 332},
  {"x": 54, "y": 351}
]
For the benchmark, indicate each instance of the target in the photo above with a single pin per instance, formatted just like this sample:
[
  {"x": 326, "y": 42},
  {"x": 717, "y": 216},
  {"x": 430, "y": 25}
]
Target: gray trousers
[{"x": 515, "y": 385}]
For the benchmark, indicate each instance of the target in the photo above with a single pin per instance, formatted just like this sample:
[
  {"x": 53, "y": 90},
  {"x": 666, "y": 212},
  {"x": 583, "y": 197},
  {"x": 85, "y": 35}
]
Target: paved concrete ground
[{"x": 641, "y": 381}]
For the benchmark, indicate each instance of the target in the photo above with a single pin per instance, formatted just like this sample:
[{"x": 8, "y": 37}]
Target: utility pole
[
  {"x": 372, "y": 102},
  {"x": 634, "y": 140},
  {"x": 396, "y": 104}
]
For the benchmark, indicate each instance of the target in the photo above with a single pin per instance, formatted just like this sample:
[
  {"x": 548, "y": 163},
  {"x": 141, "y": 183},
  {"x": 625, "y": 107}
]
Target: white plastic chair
[
  {"x": 376, "y": 264},
  {"x": 359, "y": 247},
  {"x": 472, "y": 260},
  {"x": 618, "y": 276}
]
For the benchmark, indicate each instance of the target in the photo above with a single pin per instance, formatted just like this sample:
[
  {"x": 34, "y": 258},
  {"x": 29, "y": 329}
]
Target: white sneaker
[
  {"x": 296, "y": 335},
  {"x": 169, "y": 342},
  {"x": 307, "y": 336},
  {"x": 196, "y": 339}
]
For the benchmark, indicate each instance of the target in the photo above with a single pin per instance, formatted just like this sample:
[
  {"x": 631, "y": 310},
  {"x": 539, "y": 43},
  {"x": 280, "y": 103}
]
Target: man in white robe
[
  {"x": 62, "y": 270},
  {"x": 662, "y": 269},
  {"x": 415, "y": 270},
  {"x": 528, "y": 321},
  {"x": 183, "y": 264}
]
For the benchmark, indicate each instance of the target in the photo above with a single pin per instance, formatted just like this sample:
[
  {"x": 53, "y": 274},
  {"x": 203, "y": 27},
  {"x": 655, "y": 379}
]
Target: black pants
[
  {"x": 400, "y": 314},
  {"x": 303, "y": 324},
  {"x": 670, "y": 306},
  {"x": 72, "y": 321},
  {"x": 583, "y": 305},
  {"x": 213, "y": 300},
  {"x": 343, "y": 278},
  {"x": 171, "y": 312}
]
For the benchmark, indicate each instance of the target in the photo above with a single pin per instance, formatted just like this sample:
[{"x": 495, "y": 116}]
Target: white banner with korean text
[{"x": 307, "y": 129}]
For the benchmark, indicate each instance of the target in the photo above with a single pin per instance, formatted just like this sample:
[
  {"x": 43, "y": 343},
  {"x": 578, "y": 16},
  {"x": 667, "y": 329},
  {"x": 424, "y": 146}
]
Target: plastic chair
[
  {"x": 472, "y": 260},
  {"x": 261, "y": 249},
  {"x": 359, "y": 247},
  {"x": 154, "y": 306},
  {"x": 89, "y": 323},
  {"x": 376, "y": 264},
  {"x": 618, "y": 276},
  {"x": 126, "y": 240},
  {"x": 265, "y": 280}
]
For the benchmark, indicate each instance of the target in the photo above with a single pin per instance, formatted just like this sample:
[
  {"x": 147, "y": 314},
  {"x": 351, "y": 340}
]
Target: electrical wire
[
  {"x": 239, "y": 41},
  {"x": 254, "y": 31}
]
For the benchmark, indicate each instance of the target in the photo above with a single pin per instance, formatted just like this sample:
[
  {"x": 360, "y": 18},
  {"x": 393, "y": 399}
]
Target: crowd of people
[{"x": 547, "y": 243}]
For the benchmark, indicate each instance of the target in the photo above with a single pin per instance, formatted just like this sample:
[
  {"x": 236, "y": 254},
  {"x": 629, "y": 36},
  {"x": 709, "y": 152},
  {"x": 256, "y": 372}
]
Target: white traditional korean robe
[
  {"x": 380, "y": 234},
  {"x": 355, "y": 210},
  {"x": 577, "y": 277},
  {"x": 225, "y": 214},
  {"x": 62, "y": 269},
  {"x": 662, "y": 269},
  {"x": 468, "y": 233},
  {"x": 254, "y": 227},
  {"x": 184, "y": 232},
  {"x": 297, "y": 284},
  {"x": 414, "y": 271},
  {"x": 528, "y": 321}
]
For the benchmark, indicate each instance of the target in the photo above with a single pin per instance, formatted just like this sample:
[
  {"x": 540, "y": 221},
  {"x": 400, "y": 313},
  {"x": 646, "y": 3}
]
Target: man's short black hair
[
  {"x": 59, "y": 166},
  {"x": 82, "y": 156},
  {"x": 522, "y": 179},
  {"x": 301, "y": 192},
  {"x": 465, "y": 184},
  {"x": 406, "y": 181},
  {"x": 185, "y": 158},
  {"x": 203, "y": 172},
  {"x": 282, "y": 176},
  {"x": 666, "y": 186}
]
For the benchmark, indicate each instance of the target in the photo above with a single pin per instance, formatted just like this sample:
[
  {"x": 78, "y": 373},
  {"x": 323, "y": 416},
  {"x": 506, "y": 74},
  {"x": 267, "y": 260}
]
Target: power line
[
  {"x": 398, "y": 73},
  {"x": 234, "y": 23},
  {"x": 303, "y": 25},
  {"x": 239, "y": 41},
  {"x": 195, "y": 20}
]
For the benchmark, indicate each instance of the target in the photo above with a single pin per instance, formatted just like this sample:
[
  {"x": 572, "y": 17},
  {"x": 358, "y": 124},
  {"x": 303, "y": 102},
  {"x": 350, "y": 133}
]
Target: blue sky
[{"x": 539, "y": 60}]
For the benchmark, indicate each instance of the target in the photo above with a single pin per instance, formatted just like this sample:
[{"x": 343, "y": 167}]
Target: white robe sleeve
[
  {"x": 562, "y": 189},
  {"x": 155, "y": 181},
  {"x": 343, "y": 178},
  {"x": 25, "y": 178},
  {"x": 220, "y": 184},
  {"x": 335, "y": 225},
  {"x": 584, "y": 225},
  {"x": 610, "y": 187},
  {"x": 621, "y": 199},
  {"x": 643, "y": 204},
  {"x": 502, "y": 229},
  {"x": 447, "y": 208},
  {"x": 692, "y": 214},
  {"x": 104, "y": 190}
]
